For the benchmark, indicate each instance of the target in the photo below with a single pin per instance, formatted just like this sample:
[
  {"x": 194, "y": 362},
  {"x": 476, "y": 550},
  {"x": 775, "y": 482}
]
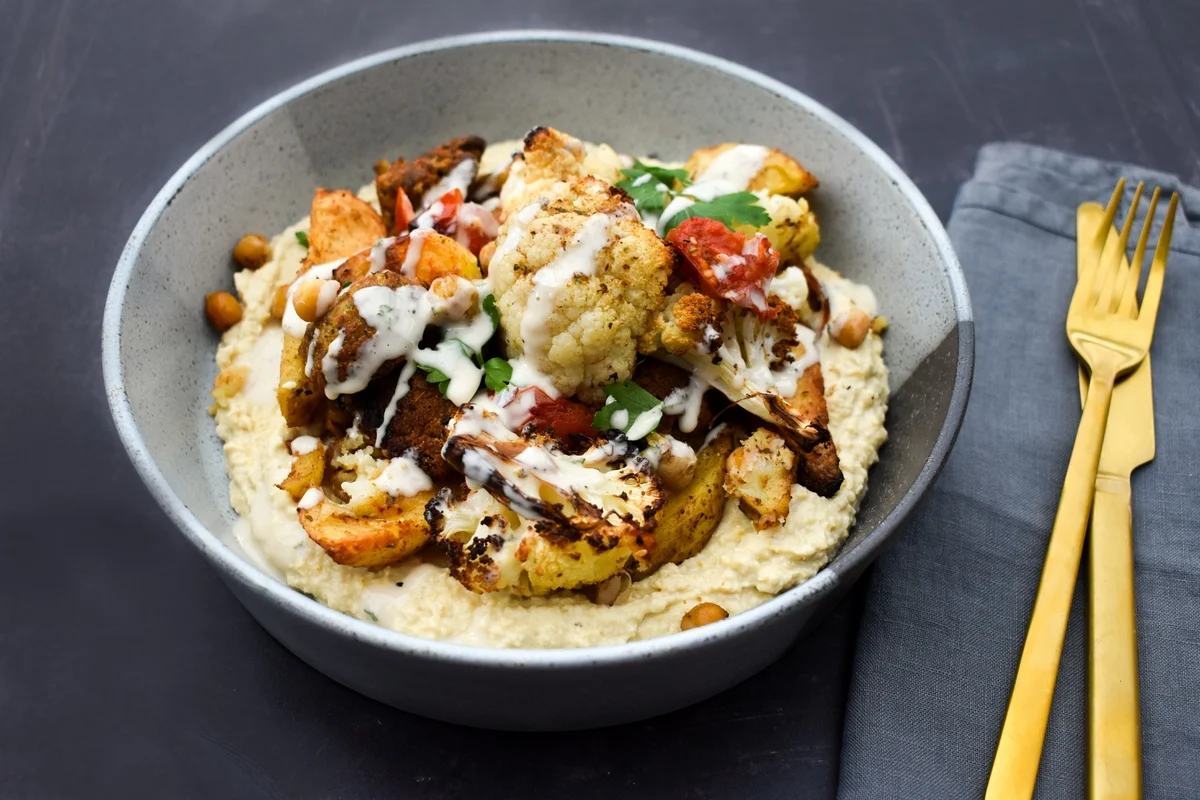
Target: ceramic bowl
[{"x": 641, "y": 97}]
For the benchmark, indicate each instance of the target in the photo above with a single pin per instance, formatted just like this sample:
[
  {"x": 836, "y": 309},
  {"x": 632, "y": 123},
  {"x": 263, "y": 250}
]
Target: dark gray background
[{"x": 126, "y": 669}]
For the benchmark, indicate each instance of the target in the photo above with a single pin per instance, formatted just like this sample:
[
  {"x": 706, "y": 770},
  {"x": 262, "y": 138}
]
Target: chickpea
[
  {"x": 382, "y": 165},
  {"x": 279, "y": 302},
  {"x": 879, "y": 324},
  {"x": 252, "y": 251},
  {"x": 223, "y": 310},
  {"x": 313, "y": 298},
  {"x": 486, "y": 253},
  {"x": 229, "y": 382},
  {"x": 850, "y": 328},
  {"x": 703, "y": 614}
]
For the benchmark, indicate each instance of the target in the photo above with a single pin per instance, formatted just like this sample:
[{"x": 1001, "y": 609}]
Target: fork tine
[
  {"x": 1134, "y": 274},
  {"x": 1088, "y": 277},
  {"x": 1112, "y": 266},
  {"x": 1154, "y": 283}
]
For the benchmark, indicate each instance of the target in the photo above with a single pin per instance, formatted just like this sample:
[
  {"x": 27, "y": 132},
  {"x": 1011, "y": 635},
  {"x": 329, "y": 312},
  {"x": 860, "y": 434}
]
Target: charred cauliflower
[
  {"x": 552, "y": 521},
  {"x": 578, "y": 279},
  {"x": 550, "y": 157}
]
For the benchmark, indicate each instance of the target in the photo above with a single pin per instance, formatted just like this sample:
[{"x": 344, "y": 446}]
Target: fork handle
[
  {"x": 1114, "y": 736},
  {"x": 1014, "y": 770}
]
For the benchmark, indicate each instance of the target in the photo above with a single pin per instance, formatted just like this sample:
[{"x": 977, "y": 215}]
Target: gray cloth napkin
[{"x": 949, "y": 602}]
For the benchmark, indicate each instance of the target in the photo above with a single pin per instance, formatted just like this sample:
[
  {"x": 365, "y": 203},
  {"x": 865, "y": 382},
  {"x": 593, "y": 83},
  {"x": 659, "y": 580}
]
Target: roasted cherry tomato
[
  {"x": 404, "y": 211},
  {"x": 725, "y": 264},
  {"x": 444, "y": 212},
  {"x": 561, "y": 416}
]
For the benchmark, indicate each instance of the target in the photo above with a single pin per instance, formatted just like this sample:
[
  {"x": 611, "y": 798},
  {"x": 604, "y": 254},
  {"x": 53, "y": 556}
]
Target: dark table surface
[{"x": 126, "y": 668}]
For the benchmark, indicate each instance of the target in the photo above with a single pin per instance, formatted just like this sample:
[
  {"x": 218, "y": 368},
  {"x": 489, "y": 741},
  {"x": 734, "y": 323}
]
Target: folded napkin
[{"x": 949, "y": 602}]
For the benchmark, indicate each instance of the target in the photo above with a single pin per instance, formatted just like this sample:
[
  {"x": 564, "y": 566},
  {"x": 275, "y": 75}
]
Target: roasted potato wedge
[
  {"x": 340, "y": 225},
  {"x": 552, "y": 564},
  {"x": 688, "y": 519},
  {"x": 369, "y": 541},
  {"x": 780, "y": 173},
  {"x": 308, "y": 470},
  {"x": 438, "y": 256},
  {"x": 793, "y": 229},
  {"x": 298, "y": 401},
  {"x": 759, "y": 474}
]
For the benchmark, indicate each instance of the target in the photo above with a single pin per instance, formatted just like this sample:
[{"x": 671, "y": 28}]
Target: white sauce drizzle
[
  {"x": 735, "y": 167},
  {"x": 685, "y": 401},
  {"x": 303, "y": 445},
  {"x": 458, "y": 178},
  {"x": 311, "y": 498},
  {"x": 416, "y": 243},
  {"x": 378, "y": 255},
  {"x": 402, "y": 387},
  {"x": 403, "y": 478},
  {"x": 578, "y": 258},
  {"x": 450, "y": 359}
]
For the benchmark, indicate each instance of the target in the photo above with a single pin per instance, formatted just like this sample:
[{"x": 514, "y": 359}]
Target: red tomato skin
[{"x": 723, "y": 265}]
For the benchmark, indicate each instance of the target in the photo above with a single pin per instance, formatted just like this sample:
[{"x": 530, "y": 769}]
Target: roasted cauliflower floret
[
  {"x": 549, "y": 157},
  {"x": 777, "y": 173},
  {"x": 584, "y": 519},
  {"x": 578, "y": 279},
  {"x": 759, "y": 474}
]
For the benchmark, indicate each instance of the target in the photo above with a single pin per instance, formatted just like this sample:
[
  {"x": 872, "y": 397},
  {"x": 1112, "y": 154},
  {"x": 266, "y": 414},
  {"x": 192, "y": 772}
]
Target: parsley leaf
[
  {"x": 302, "y": 238},
  {"x": 489, "y": 305},
  {"x": 737, "y": 208},
  {"x": 635, "y": 401},
  {"x": 436, "y": 377},
  {"x": 660, "y": 174},
  {"x": 497, "y": 373},
  {"x": 651, "y": 187}
]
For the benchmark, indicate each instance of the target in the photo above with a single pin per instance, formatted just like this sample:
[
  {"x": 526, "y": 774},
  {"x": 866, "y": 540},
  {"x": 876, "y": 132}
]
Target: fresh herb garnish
[
  {"x": 435, "y": 376},
  {"x": 371, "y": 614},
  {"x": 626, "y": 396},
  {"x": 346, "y": 283},
  {"x": 652, "y": 187},
  {"x": 739, "y": 208},
  {"x": 302, "y": 238},
  {"x": 497, "y": 373},
  {"x": 489, "y": 305}
]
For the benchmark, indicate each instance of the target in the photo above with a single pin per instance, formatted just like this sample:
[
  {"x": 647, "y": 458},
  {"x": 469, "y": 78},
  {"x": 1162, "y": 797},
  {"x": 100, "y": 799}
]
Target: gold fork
[{"x": 1111, "y": 340}]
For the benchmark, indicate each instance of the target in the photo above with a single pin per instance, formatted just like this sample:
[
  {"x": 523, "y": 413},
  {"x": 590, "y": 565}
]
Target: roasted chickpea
[
  {"x": 252, "y": 251},
  {"x": 486, "y": 253},
  {"x": 703, "y": 614},
  {"x": 313, "y": 298},
  {"x": 879, "y": 324},
  {"x": 850, "y": 328},
  {"x": 223, "y": 310},
  {"x": 279, "y": 302}
]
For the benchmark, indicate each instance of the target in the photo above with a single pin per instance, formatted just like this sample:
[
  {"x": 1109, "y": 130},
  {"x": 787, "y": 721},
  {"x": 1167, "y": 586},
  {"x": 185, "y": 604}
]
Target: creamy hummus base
[{"x": 739, "y": 568}]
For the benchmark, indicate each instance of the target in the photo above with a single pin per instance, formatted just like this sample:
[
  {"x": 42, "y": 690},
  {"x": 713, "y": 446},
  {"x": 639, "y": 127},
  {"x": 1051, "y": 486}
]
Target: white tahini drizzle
[
  {"x": 729, "y": 172},
  {"x": 458, "y": 178},
  {"x": 735, "y": 167},
  {"x": 578, "y": 258},
  {"x": 311, "y": 498},
  {"x": 403, "y": 478},
  {"x": 303, "y": 445},
  {"x": 685, "y": 401},
  {"x": 402, "y": 385}
]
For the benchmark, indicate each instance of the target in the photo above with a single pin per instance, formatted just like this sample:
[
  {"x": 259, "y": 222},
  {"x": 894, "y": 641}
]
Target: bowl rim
[{"x": 310, "y": 611}]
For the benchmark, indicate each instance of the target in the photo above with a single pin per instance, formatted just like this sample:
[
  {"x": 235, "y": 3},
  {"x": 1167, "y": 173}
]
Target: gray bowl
[{"x": 642, "y": 97}]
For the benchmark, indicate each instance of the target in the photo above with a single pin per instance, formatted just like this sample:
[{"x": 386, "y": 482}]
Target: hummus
[{"x": 738, "y": 569}]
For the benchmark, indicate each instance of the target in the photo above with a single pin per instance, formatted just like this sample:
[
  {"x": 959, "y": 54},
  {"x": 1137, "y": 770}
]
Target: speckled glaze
[{"x": 258, "y": 175}]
